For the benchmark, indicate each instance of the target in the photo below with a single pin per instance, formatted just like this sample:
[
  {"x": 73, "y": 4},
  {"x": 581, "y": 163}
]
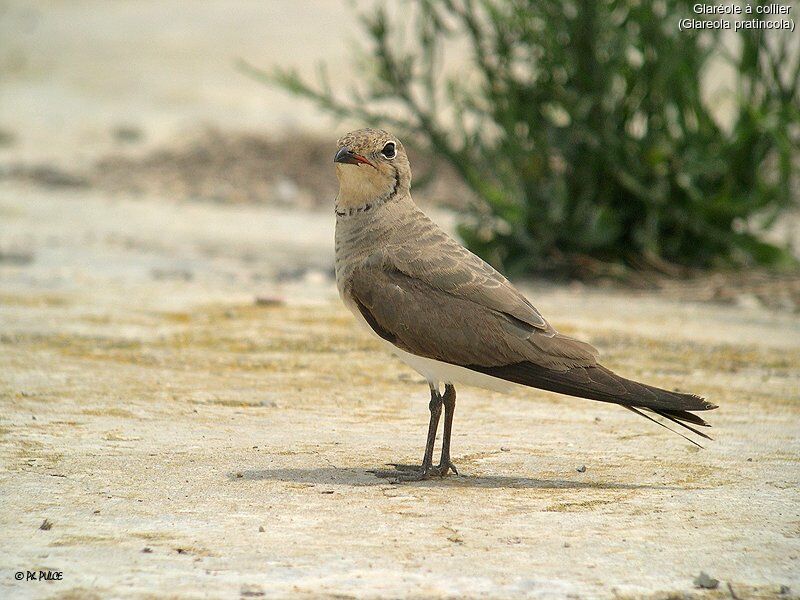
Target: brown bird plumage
[{"x": 446, "y": 312}]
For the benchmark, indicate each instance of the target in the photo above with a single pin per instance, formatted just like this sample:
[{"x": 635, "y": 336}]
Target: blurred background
[
  {"x": 591, "y": 143},
  {"x": 186, "y": 404}
]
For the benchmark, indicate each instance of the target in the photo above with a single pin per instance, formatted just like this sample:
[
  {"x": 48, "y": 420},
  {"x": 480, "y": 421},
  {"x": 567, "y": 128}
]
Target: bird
[{"x": 451, "y": 316}]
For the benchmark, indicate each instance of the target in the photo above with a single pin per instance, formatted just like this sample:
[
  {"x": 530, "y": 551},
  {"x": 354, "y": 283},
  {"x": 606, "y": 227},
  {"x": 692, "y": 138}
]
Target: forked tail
[{"x": 598, "y": 383}]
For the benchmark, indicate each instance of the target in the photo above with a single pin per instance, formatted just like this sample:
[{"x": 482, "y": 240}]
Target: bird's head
[{"x": 372, "y": 166}]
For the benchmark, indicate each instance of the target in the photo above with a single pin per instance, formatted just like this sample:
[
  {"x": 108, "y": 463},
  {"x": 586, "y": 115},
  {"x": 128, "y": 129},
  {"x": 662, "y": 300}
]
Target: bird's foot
[
  {"x": 444, "y": 467},
  {"x": 404, "y": 472}
]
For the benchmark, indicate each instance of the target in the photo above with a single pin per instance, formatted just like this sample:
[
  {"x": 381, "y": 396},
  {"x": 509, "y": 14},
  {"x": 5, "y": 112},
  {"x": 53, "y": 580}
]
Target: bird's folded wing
[
  {"x": 446, "y": 265},
  {"x": 426, "y": 321}
]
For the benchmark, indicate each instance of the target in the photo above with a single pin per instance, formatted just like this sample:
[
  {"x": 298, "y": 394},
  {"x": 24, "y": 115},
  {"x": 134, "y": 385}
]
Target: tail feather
[
  {"x": 683, "y": 415},
  {"x": 598, "y": 383},
  {"x": 683, "y": 424},
  {"x": 649, "y": 418}
]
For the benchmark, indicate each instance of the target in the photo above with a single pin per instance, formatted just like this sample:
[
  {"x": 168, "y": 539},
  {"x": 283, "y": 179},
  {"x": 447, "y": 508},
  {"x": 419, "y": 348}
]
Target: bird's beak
[{"x": 348, "y": 157}]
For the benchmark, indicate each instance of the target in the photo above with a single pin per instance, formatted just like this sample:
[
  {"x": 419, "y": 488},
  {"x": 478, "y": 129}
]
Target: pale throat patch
[{"x": 362, "y": 184}]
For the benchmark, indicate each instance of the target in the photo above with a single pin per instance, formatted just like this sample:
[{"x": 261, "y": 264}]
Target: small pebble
[
  {"x": 784, "y": 590},
  {"x": 705, "y": 581},
  {"x": 251, "y": 591},
  {"x": 581, "y": 469},
  {"x": 171, "y": 274},
  {"x": 127, "y": 133},
  {"x": 46, "y": 525},
  {"x": 261, "y": 529},
  {"x": 505, "y": 449},
  {"x": 7, "y": 138},
  {"x": 147, "y": 550},
  {"x": 269, "y": 301}
]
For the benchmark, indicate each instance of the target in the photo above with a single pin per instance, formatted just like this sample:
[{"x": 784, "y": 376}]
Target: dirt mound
[
  {"x": 249, "y": 168},
  {"x": 231, "y": 168}
]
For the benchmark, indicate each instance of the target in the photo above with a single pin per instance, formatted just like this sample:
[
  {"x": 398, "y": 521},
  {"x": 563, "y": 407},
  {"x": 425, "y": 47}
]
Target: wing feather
[
  {"x": 429, "y": 322},
  {"x": 446, "y": 265}
]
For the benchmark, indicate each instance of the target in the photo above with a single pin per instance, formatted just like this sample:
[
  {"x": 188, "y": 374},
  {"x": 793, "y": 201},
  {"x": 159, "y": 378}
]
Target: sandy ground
[
  {"x": 186, "y": 442},
  {"x": 73, "y": 72}
]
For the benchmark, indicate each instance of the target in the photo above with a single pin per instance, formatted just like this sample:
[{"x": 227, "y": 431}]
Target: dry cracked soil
[{"x": 185, "y": 440}]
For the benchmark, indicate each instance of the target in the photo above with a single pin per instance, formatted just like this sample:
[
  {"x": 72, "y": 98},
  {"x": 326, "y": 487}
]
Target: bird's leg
[
  {"x": 435, "y": 406},
  {"x": 449, "y": 401},
  {"x": 420, "y": 472}
]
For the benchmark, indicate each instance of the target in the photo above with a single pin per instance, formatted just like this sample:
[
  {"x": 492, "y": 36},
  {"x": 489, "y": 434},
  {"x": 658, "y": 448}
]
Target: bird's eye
[{"x": 389, "y": 150}]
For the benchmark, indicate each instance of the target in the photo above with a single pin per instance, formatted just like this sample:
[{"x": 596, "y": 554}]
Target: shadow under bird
[{"x": 451, "y": 316}]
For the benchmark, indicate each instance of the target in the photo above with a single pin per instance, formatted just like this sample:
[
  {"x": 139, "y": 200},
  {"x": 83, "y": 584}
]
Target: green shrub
[{"x": 582, "y": 129}]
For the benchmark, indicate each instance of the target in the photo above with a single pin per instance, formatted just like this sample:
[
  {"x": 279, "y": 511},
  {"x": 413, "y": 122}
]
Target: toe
[{"x": 444, "y": 468}]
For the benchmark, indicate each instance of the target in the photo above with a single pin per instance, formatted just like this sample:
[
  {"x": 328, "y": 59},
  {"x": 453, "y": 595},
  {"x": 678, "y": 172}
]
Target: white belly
[{"x": 436, "y": 371}]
